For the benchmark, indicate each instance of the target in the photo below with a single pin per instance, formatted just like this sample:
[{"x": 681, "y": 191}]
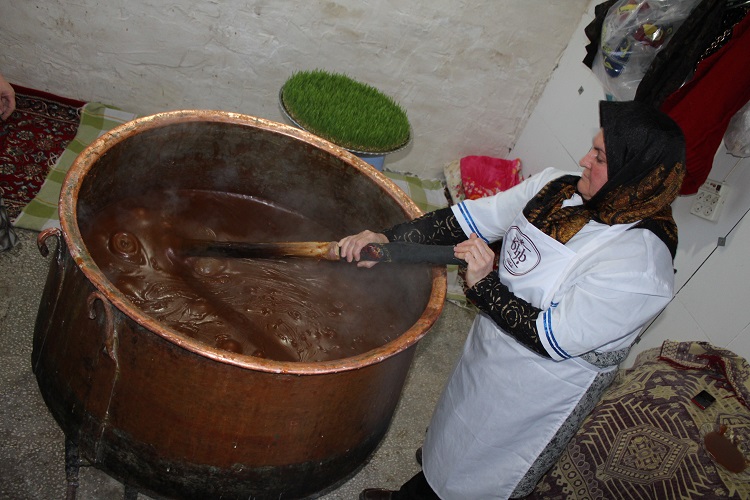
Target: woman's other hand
[
  {"x": 351, "y": 246},
  {"x": 479, "y": 257},
  {"x": 7, "y": 99}
]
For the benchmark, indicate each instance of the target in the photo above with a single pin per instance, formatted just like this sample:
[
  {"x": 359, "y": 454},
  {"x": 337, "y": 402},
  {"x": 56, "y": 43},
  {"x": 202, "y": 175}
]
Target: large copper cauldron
[{"x": 168, "y": 415}]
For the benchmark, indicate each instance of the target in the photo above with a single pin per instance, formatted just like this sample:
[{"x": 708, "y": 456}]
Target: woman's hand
[
  {"x": 479, "y": 257},
  {"x": 351, "y": 246}
]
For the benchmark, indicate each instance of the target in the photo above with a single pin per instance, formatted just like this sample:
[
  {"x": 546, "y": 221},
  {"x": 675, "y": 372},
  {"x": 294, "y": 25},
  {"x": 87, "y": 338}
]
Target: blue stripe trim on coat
[
  {"x": 470, "y": 221},
  {"x": 550, "y": 335}
]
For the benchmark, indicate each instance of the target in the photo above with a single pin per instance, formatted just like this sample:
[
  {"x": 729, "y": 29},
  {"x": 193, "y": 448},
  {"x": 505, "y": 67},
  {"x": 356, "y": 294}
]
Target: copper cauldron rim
[{"x": 72, "y": 236}]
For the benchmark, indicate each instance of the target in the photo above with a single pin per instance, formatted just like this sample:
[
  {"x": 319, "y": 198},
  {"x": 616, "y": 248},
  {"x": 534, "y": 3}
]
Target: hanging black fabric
[
  {"x": 675, "y": 63},
  {"x": 594, "y": 31}
]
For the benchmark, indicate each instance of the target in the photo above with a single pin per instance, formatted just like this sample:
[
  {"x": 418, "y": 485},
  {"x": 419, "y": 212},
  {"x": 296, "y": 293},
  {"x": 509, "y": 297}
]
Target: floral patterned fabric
[{"x": 31, "y": 140}]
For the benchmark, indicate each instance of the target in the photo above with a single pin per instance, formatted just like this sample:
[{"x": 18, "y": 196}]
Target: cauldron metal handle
[
  {"x": 41, "y": 240},
  {"x": 110, "y": 341}
]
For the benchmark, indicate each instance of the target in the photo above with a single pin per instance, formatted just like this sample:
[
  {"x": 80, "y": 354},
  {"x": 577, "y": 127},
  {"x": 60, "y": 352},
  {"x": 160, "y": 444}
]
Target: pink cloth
[{"x": 484, "y": 175}]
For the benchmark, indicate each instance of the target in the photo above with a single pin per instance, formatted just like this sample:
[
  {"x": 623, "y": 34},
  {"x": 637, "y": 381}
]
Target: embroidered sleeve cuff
[{"x": 438, "y": 228}]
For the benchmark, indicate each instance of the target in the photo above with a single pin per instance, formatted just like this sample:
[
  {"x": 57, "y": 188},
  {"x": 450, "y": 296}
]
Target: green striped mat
[{"x": 41, "y": 212}]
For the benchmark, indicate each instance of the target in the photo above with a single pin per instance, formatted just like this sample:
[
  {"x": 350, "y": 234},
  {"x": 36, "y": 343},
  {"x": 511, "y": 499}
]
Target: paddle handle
[
  {"x": 410, "y": 253},
  {"x": 379, "y": 252},
  {"x": 327, "y": 250}
]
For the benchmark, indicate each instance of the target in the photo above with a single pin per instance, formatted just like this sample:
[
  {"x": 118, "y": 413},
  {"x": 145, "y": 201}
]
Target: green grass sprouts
[{"x": 348, "y": 113}]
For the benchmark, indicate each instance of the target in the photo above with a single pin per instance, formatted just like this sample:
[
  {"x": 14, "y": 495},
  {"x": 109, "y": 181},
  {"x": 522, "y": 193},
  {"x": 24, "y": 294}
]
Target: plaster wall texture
[{"x": 468, "y": 73}]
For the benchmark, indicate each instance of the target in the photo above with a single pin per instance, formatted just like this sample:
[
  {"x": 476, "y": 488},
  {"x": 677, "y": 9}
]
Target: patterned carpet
[
  {"x": 31, "y": 140},
  {"x": 644, "y": 440}
]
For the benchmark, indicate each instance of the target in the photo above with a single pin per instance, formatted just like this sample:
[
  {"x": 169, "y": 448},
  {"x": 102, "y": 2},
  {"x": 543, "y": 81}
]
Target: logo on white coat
[{"x": 521, "y": 255}]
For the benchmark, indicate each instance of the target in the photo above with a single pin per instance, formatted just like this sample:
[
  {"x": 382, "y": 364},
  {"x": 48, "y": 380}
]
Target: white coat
[{"x": 504, "y": 403}]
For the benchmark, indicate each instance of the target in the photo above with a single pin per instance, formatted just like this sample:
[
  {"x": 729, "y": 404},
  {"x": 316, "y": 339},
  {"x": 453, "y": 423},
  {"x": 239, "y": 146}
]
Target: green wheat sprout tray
[{"x": 353, "y": 115}]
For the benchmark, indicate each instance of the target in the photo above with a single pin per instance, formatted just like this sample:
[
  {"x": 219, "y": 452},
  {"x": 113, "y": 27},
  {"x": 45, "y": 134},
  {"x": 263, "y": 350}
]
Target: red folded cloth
[{"x": 484, "y": 175}]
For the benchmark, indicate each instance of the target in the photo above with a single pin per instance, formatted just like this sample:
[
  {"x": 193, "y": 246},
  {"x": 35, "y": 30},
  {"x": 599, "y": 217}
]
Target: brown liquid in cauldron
[{"x": 282, "y": 309}]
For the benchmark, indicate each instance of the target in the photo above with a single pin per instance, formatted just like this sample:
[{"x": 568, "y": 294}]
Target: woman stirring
[{"x": 586, "y": 262}]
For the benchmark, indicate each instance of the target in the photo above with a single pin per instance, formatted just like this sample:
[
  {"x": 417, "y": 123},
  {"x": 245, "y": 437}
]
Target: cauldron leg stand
[
  {"x": 130, "y": 493},
  {"x": 72, "y": 466}
]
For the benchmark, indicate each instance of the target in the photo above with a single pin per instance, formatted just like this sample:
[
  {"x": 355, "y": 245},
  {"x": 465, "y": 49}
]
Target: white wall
[
  {"x": 712, "y": 283},
  {"x": 468, "y": 73}
]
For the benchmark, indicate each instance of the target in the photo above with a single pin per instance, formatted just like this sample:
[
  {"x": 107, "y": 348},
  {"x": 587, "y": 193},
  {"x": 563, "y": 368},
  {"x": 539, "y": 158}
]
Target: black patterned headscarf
[{"x": 645, "y": 152}]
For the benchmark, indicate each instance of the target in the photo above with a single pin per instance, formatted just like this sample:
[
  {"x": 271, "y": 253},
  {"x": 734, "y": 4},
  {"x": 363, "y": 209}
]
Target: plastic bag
[
  {"x": 633, "y": 32},
  {"x": 737, "y": 136}
]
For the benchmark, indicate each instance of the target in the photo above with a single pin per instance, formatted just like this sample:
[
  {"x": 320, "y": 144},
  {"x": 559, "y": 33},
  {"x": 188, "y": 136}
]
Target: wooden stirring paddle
[{"x": 328, "y": 250}]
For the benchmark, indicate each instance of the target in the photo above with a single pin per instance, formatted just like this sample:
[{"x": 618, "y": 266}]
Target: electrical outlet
[{"x": 709, "y": 200}]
